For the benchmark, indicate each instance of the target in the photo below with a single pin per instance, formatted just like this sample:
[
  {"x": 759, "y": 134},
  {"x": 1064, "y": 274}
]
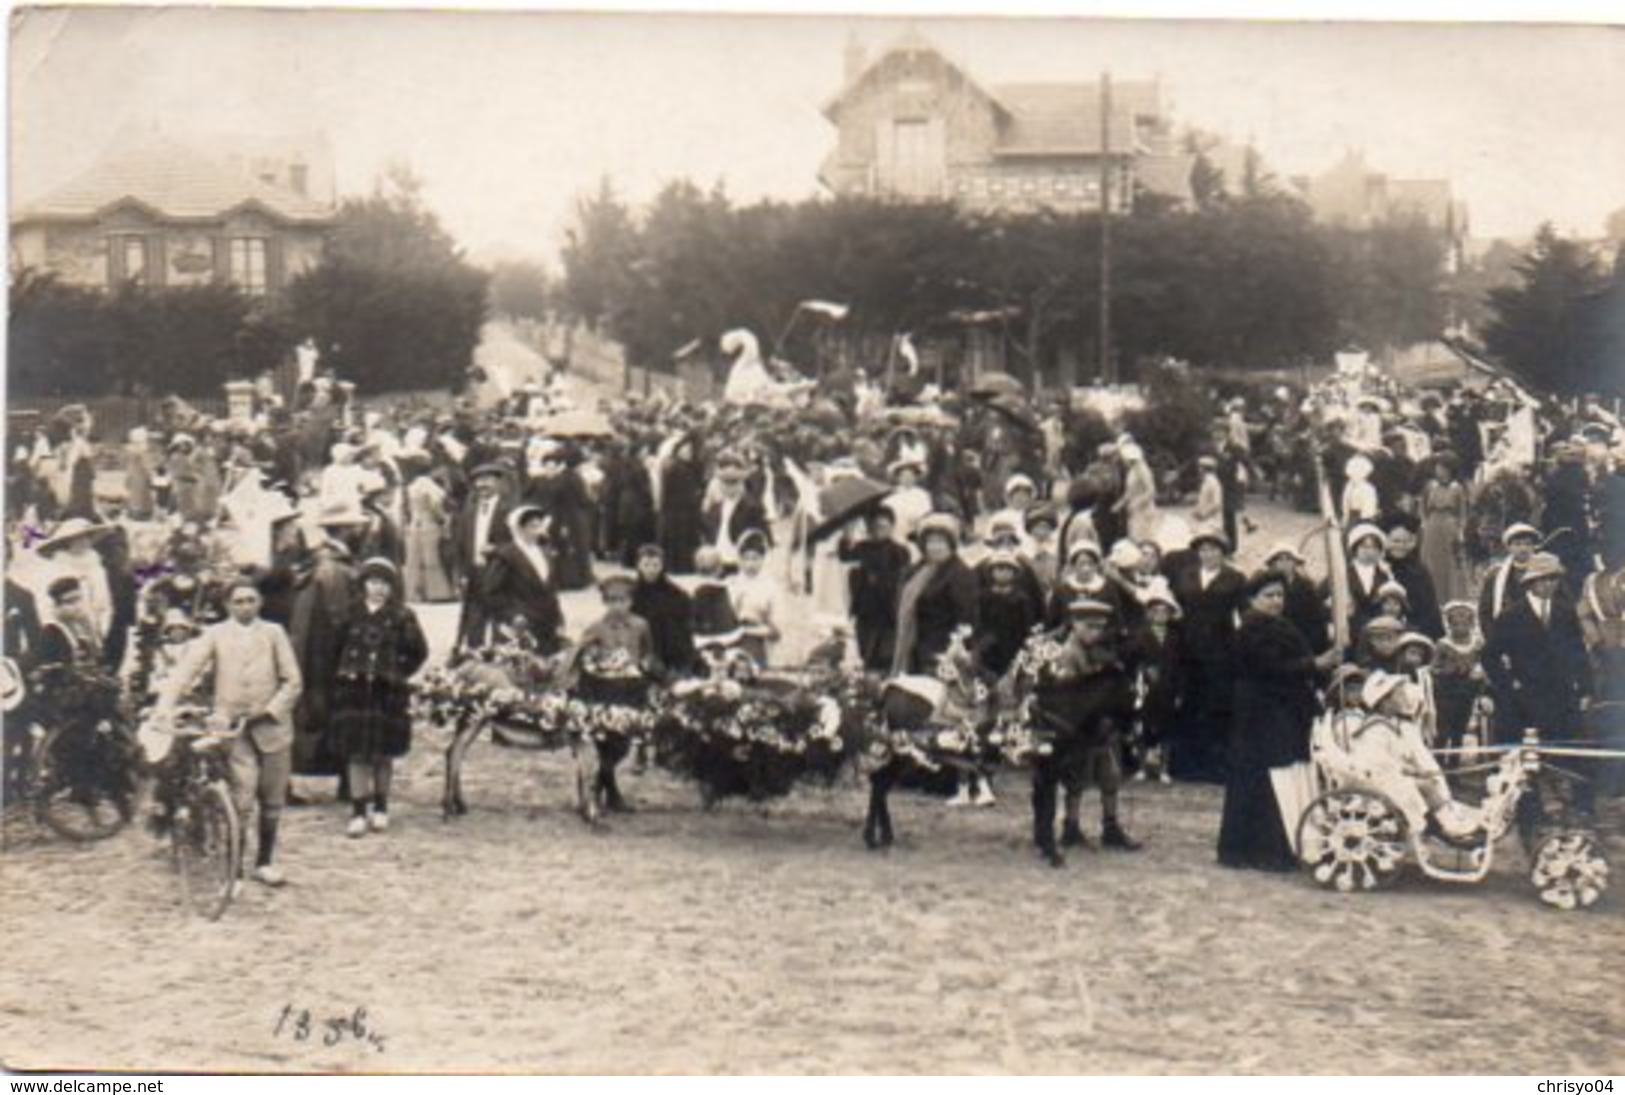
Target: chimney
[{"x": 857, "y": 59}]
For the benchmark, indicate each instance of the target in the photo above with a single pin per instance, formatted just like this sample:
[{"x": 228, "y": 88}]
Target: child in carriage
[{"x": 1384, "y": 749}]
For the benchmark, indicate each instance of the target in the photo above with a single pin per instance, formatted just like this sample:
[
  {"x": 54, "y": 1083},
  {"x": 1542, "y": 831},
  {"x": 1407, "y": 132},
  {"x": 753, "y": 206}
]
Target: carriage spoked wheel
[
  {"x": 1570, "y": 870},
  {"x": 1352, "y": 840},
  {"x": 208, "y": 851},
  {"x": 81, "y": 783}
]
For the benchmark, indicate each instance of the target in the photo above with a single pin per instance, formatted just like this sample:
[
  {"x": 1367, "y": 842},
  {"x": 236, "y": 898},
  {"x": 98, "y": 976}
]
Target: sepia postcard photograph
[{"x": 672, "y": 544}]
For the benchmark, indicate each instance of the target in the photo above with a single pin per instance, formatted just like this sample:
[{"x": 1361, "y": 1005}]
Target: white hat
[
  {"x": 1358, "y": 466},
  {"x": 1019, "y": 481},
  {"x": 1158, "y": 593},
  {"x": 1518, "y": 529},
  {"x": 1083, "y": 547},
  {"x": 1125, "y": 555},
  {"x": 1366, "y": 529},
  {"x": 1284, "y": 547}
]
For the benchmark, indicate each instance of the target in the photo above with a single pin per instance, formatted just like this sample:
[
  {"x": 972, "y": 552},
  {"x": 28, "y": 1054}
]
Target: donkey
[{"x": 936, "y": 735}]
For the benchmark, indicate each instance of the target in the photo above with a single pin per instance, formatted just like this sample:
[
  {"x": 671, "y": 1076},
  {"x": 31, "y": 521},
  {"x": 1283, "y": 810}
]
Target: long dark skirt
[
  {"x": 1252, "y": 833},
  {"x": 371, "y": 718}
]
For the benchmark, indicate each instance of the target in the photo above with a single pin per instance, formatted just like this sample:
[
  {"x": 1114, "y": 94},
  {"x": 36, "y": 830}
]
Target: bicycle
[
  {"x": 197, "y": 815},
  {"x": 80, "y": 769}
]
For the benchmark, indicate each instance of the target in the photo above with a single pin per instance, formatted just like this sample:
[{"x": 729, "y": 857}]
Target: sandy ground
[{"x": 745, "y": 940}]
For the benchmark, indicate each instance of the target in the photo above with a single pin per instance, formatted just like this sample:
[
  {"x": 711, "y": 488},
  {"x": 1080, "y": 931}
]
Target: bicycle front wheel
[
  {"x": 207, "y": 851},
  {"x": 85, "y": 782}
]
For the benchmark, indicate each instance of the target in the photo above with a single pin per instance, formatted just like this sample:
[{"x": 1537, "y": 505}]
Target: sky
[{"x": 509, "y": 117}]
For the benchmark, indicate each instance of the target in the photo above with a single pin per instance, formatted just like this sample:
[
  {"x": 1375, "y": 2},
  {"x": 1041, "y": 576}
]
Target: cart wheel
[
  {"x": 1570, "y": 870},
  {"x": 1352, "y": 840}
]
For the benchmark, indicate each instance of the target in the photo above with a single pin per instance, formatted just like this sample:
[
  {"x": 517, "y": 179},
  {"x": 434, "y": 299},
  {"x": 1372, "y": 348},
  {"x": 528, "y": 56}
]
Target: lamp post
[{"x": 1107, "y": 375}]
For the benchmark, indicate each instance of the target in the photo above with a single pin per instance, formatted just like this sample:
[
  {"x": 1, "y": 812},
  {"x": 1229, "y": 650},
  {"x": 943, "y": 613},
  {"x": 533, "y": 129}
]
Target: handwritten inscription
[{"x": 303, "y": 1026}]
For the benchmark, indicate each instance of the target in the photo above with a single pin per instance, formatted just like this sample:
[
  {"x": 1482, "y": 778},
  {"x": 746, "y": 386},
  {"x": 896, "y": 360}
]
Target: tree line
[{"x": 393, "y": 305}]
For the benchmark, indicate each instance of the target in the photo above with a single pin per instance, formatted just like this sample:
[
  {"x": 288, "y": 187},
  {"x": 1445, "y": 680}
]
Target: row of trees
[
  {"x": 1234, "y": 281},
  {"x": 393, "y": 305},
  {"x": 1243, "y": 281}
]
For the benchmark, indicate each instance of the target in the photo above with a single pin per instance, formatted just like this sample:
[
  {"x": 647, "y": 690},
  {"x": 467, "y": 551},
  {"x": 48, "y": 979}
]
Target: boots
[
  {"x": 1113, "y": 836},
  {"x": 1072, "y": 835},
  {"x": 613, "y": 802}
]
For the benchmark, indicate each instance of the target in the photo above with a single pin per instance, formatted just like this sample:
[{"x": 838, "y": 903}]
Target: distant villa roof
[
  {"x": 173, "y": 181},
  {"x": 1049, "y": 118}
]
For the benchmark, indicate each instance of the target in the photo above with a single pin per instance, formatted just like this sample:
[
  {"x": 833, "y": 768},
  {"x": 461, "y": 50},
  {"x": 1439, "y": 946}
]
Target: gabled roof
[
  {"x": 172, "y": 181},
  {"x": 910, "y": 42},
  {"x": 1064, "y": 118}
]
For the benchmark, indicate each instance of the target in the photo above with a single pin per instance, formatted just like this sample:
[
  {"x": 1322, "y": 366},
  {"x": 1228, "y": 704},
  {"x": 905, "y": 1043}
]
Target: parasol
[
  {"x": 579, "y": 423},
  {"x": 845, "y": 499},
  {"x": 990, "y": 385},
  {"x": 1016, "y": 410},
  {"x": 1295, "y": 787}
]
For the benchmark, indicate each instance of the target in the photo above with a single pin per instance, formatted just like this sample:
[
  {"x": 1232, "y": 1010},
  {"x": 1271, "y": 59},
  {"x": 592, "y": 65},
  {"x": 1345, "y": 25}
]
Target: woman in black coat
[
  {"x": 682, "y": 496},
  {"x": 668, "y": 610},
  {"x": 1210, "y": 591},
  {"x": 1274, "y": 705},
  {"x": 939, "y": 596},
  {"x": 517, "y": 584},
  {"x": 380, "y": 646}
]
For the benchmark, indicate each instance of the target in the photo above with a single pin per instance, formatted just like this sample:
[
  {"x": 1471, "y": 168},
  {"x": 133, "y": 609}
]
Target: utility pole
[{"x": 1107, "y": 374}]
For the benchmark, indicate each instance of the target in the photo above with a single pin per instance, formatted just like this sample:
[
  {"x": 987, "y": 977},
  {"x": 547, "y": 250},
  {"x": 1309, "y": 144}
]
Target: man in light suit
[{"x": 257, "y": 681}]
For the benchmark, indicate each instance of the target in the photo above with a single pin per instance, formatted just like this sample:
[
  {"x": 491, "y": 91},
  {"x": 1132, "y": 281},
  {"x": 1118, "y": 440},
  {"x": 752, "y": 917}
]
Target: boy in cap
[{"x": 1082, "y": 698}]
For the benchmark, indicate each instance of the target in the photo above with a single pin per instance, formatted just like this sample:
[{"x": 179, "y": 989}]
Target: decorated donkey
[
  {"x": 936, "y": 736},
  {"x": 524, "y": 699}
]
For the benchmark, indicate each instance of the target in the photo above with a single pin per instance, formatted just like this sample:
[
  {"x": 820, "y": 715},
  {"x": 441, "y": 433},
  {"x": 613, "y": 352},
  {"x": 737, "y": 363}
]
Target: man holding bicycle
[{"x": 256, "y": 684}]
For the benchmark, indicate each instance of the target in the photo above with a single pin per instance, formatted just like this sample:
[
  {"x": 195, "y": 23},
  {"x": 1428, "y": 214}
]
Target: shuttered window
[{"x": 249, "y": 266}]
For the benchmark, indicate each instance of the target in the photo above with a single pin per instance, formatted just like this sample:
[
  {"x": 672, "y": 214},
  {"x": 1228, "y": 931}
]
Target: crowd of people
[{"x": 273, "y": 560}]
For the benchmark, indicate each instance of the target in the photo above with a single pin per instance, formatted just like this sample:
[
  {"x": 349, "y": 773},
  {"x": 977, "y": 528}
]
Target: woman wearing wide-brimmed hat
[
  {"x": 70, "y": 551},
  {"x": 939, "y": 596},
  {"x": 381, "y": 645}
]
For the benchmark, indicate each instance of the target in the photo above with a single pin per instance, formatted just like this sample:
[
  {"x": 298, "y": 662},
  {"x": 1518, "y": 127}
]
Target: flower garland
[
  {"x": 535, "y": 714},
  {"x": 754, "y": 740}
]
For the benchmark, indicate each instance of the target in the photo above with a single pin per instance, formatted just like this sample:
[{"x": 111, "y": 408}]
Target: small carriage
[{"x": 1364, "y": 822}]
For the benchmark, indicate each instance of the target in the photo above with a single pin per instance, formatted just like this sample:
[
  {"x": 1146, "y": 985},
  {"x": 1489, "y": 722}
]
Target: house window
[
  {"x": 919, "y": 158},
  {"x": 248, "y": 268},
  {"x": 126, "y": 258}
]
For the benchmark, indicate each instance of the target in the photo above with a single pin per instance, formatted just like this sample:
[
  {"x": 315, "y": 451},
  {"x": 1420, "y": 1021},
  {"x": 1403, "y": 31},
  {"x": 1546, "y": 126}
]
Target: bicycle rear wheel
[
  {"x": 84, "y": 782},
  {"x": 207, "y": 851}
]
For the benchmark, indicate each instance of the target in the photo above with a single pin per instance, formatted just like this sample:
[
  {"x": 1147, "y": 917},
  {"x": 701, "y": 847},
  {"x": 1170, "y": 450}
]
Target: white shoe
[
  {"x": 378, "y": 820},
  {"x": 1139, "y": 776},
  {"x": 961, "y": 797},
  {"x": 357, "y": 827},
  {"x": 1164, "y": 777},
  {"x": 983, "y": 796},
  {"x": 236, "y": 888},
  {"x": 269, "y": 874}
]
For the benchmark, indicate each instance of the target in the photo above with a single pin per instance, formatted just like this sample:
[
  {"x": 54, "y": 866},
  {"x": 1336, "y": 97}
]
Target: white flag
[{"x": 826, "y": 308}]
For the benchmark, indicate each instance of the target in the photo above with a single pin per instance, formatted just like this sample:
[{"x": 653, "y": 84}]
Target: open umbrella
[
  {"x": 1015, "y": 409},
  {"x": 578, "y": 423},
  {"x": 989, "y": 385},
  {"x": 845, "y": 499}
]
